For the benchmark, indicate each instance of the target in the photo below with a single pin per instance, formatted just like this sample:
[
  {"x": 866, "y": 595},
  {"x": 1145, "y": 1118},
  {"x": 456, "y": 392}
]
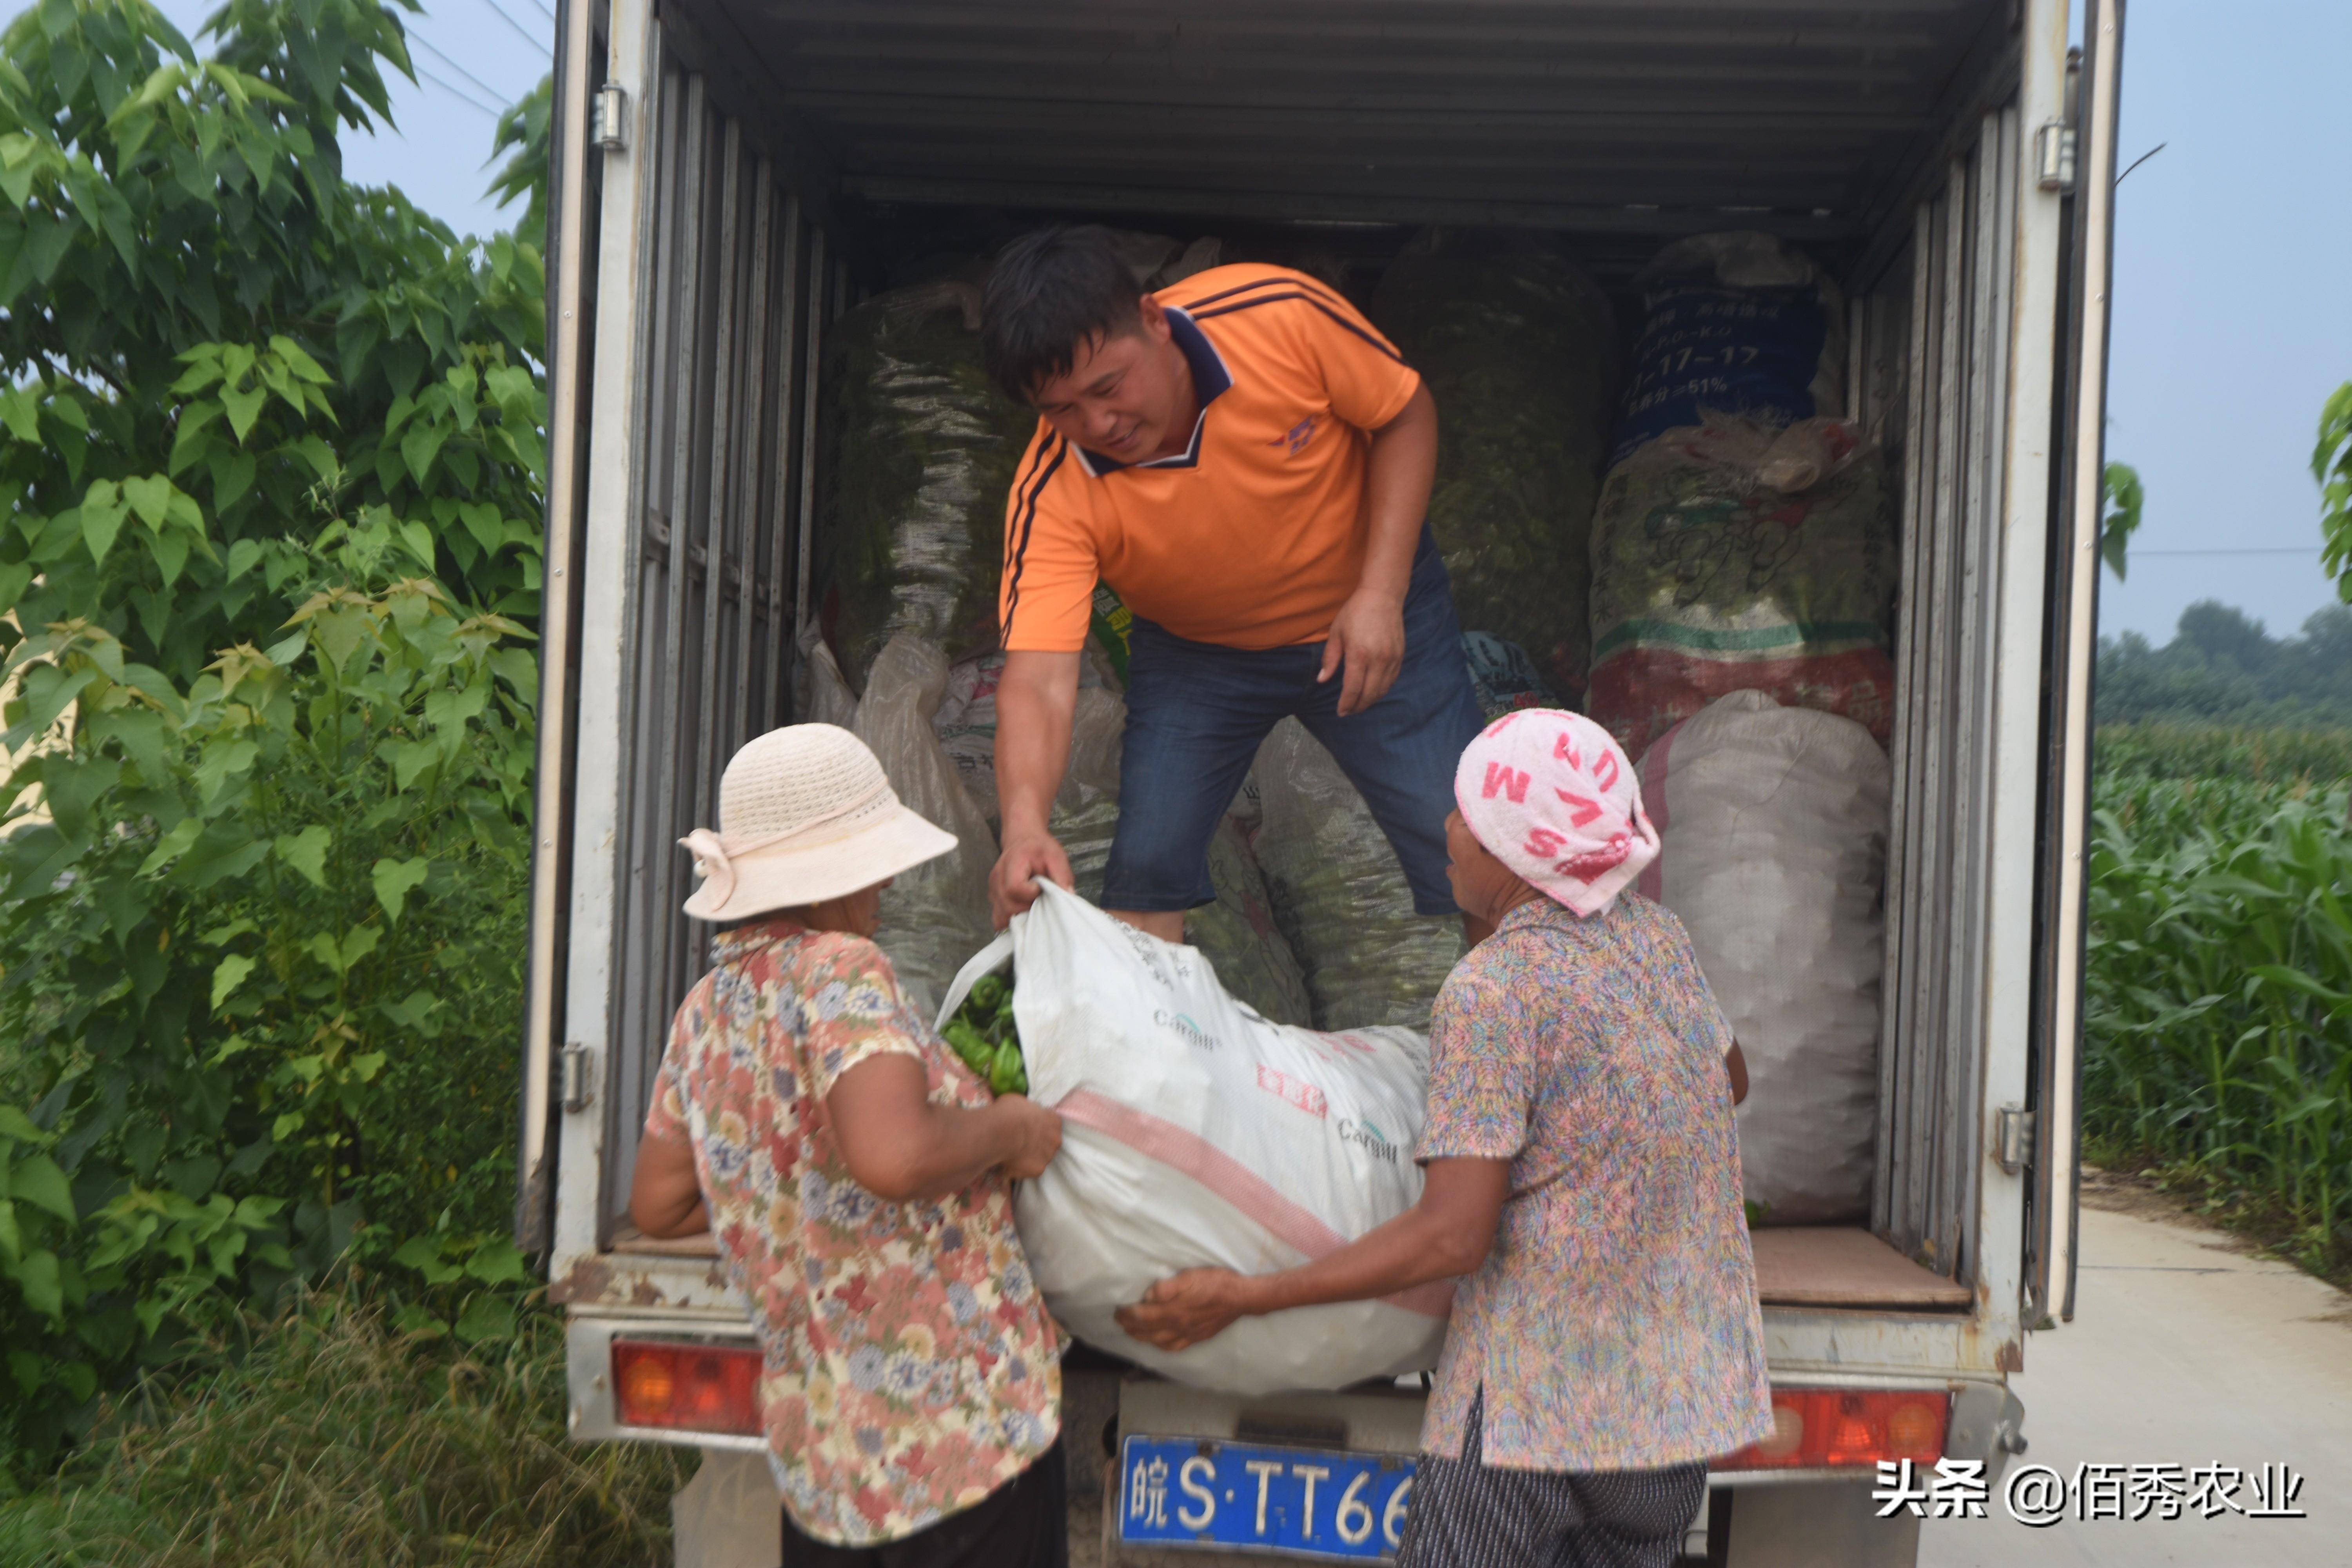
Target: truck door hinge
[
  {"x": 578, "y": 1090},
  {"x": 2013, "y": 1137},
  {"x": 2054, "y": 157},
  {"x": 608, "y": 119}
]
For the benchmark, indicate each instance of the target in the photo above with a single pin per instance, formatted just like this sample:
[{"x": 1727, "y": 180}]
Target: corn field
[{"x": 2219, "y": 996}]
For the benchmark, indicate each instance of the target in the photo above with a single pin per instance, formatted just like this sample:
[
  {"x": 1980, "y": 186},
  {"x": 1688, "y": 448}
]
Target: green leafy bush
[
  {"x": 271, "y": 457},
  {"x": 2217, "y": 999}
]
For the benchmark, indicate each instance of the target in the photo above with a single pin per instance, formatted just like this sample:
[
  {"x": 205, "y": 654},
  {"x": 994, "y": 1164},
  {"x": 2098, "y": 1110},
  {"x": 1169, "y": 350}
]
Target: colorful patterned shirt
[
  {"x": 911, "y": 1368},
  {"x": 1614, "y": 1324}
]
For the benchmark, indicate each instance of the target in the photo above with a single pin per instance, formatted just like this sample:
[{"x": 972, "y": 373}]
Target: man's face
[{"x": 1124, "y": 394}]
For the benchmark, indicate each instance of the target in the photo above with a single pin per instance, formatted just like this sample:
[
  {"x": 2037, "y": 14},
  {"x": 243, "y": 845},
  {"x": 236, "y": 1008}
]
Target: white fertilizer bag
[
  {"x": 1196, "y": 1134},
  {"x": 1773, "y": 822}
]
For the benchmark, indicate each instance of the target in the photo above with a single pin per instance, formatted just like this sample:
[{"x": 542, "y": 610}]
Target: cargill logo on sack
[
  {"x": 1295, "y": 1091},
  {"x": 1368, "y": 1137},
  {"x": 1192, "y": 1031}
]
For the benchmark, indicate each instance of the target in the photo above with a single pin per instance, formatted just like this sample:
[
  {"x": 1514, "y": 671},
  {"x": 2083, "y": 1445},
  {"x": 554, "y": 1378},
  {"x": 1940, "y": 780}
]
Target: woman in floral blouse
[
  {"x": 854, "y": 1172},
  {"x": 1583, "y": 1183}
]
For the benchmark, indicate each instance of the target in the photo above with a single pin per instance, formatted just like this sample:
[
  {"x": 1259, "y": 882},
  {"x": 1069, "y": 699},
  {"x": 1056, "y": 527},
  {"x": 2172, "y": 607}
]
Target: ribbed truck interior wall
[
  {"x": 736, "y": 298},
  {"x": 1934, "y": 339},
  {"x": 1880, "y": 135}
]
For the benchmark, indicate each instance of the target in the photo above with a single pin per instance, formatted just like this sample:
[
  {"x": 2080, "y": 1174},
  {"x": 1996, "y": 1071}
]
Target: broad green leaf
[
  {"x": 418, "y": 447},
  {"x": 497, "y": 1261},
  {"x": 487, "y": 1318},
  {"x": 149, "y": 496},
  {"x": 14, "y": 1124},
  {"x": 307, "y": 851},
  {"x": 188, "y": 438},
  {"x": 418, "y": 539},
  {"x": 228, "y": 975},
  {"x": 102, "y": 511},
  {"x": 37, "y": 1179},
  {"x": 36, "y": 1277},
  {"x": 174, "y": 843},
  {"x": 244, "y": 408},
  {"x": 20, "y": 410},
  {"x": 170, "y": 553},
  {"x": 358, "y": 942},
  {"x": 395, "y": 880},
  {"x": 242, "y": 557},
  {"x": 12, "y": 1239}
]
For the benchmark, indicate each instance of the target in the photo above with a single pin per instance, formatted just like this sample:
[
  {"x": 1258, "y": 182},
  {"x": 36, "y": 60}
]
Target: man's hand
[
  {"x": 1026, "y": 858},
  {"x": 1367, "y": 641},
  {"x": 1185, "y": 1309},
  {"x": 1040, "y": 1134}
]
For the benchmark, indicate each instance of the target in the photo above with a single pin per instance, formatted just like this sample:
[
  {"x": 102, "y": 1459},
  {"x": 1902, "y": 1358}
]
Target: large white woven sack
[
  {"x": 1197, "y": 1134},
  {"x": 1773, "y": 826}
]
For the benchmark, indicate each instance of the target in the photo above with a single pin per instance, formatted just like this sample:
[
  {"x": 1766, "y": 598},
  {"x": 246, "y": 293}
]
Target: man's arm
[
  {"x": 1036, "y": 699},
  {"x": 1444, "y": 1235},
  {"x": 664, "y": 1198},
  {"x": 902, "y": 1147},
  {"x": 1367, "y": 637}
]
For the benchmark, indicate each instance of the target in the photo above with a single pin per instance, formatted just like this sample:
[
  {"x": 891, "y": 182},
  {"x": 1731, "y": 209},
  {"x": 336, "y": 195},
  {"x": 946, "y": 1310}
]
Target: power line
[
  {"x": 427, "y": 45},
  {"x": 453, "y": 92},
  {"x": 544, "y": 11},
  {"x": 533, "y": 39},
  {"x": 2258, "y": 550}
]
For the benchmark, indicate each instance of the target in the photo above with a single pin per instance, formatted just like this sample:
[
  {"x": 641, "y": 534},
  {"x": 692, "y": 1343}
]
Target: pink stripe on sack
[
  {"x": 1652, "y": 884},
  {"x": 1236, "y": 1182}
]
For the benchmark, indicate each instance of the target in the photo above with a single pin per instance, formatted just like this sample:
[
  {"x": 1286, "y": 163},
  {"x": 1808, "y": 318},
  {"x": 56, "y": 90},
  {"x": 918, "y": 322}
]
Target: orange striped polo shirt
[{"x": 1253, "y": 536}]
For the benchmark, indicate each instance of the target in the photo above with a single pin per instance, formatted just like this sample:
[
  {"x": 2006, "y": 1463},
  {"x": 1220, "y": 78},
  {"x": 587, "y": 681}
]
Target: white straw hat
[{"x": 806, "y": 814}]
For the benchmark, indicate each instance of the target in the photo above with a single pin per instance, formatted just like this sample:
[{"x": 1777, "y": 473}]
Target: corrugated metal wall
[
  {"x": 737, "y": 305},
  {"x": 1946, "y": 404}
]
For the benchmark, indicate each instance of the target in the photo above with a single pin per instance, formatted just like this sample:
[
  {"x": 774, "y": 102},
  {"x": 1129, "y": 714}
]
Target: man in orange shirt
[{"x": 1247, "y": 462}]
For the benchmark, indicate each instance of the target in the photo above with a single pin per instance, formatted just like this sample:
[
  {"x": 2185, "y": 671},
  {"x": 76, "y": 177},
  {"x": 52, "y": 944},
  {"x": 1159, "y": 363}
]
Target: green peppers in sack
[{"x": 984, "y": 1034}]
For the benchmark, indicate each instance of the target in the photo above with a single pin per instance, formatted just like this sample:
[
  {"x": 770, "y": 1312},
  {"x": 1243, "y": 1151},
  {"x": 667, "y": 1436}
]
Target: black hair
[{"x": 1049, "y": 294}]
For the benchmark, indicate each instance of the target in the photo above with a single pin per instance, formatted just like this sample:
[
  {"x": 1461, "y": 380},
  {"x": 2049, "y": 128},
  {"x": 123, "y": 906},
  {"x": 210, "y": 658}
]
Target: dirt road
[{"x": 2184, "y": 1351}]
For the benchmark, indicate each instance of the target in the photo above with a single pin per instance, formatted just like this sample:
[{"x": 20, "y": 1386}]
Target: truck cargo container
[{"x": 732, "y": 175}]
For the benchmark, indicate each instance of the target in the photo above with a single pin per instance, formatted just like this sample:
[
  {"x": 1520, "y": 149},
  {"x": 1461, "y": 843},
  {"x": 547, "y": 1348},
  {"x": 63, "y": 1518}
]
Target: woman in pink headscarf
[{"x": 1582, "y": 1184}]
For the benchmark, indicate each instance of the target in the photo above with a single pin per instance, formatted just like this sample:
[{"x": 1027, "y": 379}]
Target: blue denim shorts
[{"x": 1197, "y": 712}]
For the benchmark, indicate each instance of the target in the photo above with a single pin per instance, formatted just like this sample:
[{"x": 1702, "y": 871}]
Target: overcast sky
[{"x": 2233, "y": 266}]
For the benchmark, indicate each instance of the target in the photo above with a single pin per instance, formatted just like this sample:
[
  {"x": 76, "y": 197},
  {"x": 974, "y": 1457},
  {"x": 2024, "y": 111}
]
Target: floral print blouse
[
  {"x": 911, "y": 1369},
  {"x": 1615, "y": 1325}
]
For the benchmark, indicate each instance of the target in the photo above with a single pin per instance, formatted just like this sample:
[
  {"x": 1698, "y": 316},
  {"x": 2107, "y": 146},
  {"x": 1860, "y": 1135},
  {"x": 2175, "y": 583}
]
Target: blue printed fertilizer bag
[{"x": 1734, "y": 324}]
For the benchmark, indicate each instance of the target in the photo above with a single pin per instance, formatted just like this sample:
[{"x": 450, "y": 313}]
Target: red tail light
[
  {"x": 698, "y": 1388},
  {"x": 1812, "y": 1427}
]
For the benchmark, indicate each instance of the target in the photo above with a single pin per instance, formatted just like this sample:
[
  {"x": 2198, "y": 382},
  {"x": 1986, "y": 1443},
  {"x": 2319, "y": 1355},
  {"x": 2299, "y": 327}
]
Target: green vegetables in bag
[{"x": 985, "y": 1036}]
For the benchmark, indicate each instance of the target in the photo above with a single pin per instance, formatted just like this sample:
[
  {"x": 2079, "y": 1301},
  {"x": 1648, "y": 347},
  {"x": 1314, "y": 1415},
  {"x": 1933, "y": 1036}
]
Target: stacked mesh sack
[
  {"x": 1519, "y": 351},
  {"x": 1744, "y": 538}
]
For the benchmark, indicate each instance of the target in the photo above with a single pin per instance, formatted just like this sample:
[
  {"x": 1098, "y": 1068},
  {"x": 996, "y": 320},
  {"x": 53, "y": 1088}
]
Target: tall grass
[
  {"x": 2217, "y": 1016},
  {"x": 328, "y": 1438}
]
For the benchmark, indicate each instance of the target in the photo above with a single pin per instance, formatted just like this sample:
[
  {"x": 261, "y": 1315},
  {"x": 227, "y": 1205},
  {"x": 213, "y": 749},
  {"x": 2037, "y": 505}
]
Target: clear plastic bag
[
  {"x": 920, "y": 449},
  {"x": 1707, "y": 579},
  {"x": 1519, "y": 349},
  {"x": 1340, "y": 896},
  {"x": 934, "y": 916}
]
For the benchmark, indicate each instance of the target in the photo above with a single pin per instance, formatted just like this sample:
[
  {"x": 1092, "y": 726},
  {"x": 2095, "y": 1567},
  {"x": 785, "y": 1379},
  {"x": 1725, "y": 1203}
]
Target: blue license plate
[{"x": 1343, "y": 1505}]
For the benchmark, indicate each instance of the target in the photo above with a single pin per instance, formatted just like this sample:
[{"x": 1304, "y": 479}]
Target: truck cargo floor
[{"x": 1846, "y": 1266}]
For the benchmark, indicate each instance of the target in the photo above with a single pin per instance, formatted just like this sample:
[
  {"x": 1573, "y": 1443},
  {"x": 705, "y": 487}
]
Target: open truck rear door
[{"x": 2080, "y": 154}]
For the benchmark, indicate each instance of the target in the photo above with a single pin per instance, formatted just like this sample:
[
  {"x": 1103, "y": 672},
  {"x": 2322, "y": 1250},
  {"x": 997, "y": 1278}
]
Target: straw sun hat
[{"x": 806, "y": 814}]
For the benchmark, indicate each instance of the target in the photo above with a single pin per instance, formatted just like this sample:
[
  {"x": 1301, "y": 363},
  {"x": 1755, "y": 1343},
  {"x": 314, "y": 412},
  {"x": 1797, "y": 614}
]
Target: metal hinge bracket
[
  {"x": 2013, "y": 1137},
  {"x": 608, "y": 119},
  {"x": 578, "y": 1090},
  {"x": 2054, "y": 157}
]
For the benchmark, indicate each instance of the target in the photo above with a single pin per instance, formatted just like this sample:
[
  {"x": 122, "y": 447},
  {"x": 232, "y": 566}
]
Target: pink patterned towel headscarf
[{"x": 1551, "y": 795}]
